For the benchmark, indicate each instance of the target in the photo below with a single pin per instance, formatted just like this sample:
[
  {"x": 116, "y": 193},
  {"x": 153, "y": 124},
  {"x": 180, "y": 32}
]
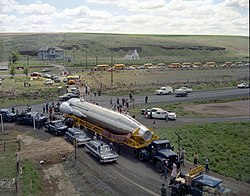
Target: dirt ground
[
  {"x": 237, "y": 108},
  {"x": 57, "y": 178}
]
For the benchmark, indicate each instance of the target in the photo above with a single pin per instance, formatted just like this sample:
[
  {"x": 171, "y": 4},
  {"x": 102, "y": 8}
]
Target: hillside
[{"x": 152, "y": 48}]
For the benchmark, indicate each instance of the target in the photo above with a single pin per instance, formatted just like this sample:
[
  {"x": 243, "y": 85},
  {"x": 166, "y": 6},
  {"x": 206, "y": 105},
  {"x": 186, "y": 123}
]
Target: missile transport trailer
[{"x": 115, "y": 126}]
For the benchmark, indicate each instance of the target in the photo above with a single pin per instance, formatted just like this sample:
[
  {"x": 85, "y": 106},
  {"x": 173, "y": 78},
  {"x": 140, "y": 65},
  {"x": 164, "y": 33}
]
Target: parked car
[
  {"x": 57, "y": 79},
  {"x": 101, "y": 151},
  {"x": 29, "y": 118},
  {"x": 47, "y": 76},
  {"x": 159, "y": 113},
  {"x": 165, "y": 90},
  {"x": 35, "y": 74},
  {"x": 180, "y": 93},
  {"x": 56, "y": 127},
  {"x": 46, "y": 70},
  {"x": 184, "y": 88},
  {"x": 67, "y": 96},
  {"x": 8, "y": 115},
  {"x": 243, "y": 85},
  {"x": 48, "y": 82},
  {"x": 77, "y": 135}
]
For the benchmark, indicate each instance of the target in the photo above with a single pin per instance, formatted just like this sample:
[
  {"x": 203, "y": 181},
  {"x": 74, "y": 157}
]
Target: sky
[{"x": 181, "y": 17}]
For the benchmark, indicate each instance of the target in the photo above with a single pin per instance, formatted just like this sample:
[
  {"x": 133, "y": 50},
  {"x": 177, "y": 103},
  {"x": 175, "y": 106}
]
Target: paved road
[{"x": 157, "y": 99}]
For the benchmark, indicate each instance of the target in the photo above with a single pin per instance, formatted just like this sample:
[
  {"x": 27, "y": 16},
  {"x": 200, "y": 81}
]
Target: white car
[
  {"x": 48, "y": 82},
  {"x": 242, "y": 85},
  {"x": 165, "y": 90},
  {"x": 186, "y": 89},
  {"x": 159, "y": 113}
]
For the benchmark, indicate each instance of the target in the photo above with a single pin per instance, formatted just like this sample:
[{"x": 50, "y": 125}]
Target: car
[
  {"x": 46, "y": 70},
  {"x": 165, "y": 90},
  {"x": 30, "y": 117},
  {"x": 47, "y": 76},
  {"x": 184, "y": 88},
  {"x": 8, "y": 115},
  {"x": 180, "y": 93},
  {"x": 77, "y": 136},
  {"x": 35, "y": 74},
  {"x": 158, "y": 113},
  {"x": 48, "y": 82},
  {"x": 101, "y": 151},
  {"x": 243, "y": 85},
  {"x": 207, "y": 184},
  {"x": 67, "y": 96},
  {"x": 56, "y": 127},
  {"x": 56, "y": 79}
]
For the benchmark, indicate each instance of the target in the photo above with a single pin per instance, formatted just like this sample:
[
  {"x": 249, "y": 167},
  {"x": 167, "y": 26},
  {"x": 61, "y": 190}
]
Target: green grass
[
  {"x": 179, "y": 108},
  {"x": 7, "y": 164},
  {"x": 31, "y": 179},
  {"x": 100, "y": 45},
  {"x": 226, "y": 145}
]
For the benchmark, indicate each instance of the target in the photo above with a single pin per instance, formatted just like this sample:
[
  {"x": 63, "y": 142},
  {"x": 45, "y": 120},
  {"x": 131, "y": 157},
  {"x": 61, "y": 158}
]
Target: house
[
  {"x": 132, "y": 55},
  {"x": 50, "y": 53}
]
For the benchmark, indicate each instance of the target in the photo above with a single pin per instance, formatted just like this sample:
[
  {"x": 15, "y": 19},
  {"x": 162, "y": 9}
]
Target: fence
[{"x": 10, "y": 145}]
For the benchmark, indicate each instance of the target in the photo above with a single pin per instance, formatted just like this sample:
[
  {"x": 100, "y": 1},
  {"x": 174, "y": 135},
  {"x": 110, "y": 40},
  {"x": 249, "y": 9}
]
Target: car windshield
[
  {"x": 104, "y": 149},
  {"x": 59, "y": 124}
]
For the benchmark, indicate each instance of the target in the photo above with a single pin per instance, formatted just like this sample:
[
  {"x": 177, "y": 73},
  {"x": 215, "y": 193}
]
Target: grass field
[
  {"x": 225, "y": 144},
  {"x": 179, "y": 108},
  {"x": 152, "y": 48}
]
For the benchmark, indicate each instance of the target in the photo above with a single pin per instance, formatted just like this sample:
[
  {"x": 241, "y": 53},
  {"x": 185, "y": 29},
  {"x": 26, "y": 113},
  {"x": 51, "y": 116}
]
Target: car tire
[
  {"x": 159, "y": 166},
  {"x": 161, "y": 93},
  {"x": 141, "y": 156}
]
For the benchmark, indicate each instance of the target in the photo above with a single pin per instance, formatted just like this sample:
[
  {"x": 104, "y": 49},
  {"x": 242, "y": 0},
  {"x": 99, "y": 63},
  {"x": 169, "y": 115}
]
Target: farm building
[
  {"x": 50, "y": 53},
  {"x": 132, "y": 55}
]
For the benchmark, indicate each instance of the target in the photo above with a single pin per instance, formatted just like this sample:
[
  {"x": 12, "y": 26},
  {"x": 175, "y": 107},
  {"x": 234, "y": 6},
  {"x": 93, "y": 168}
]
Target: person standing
[
  {"x": 196, "y": 159},
  {"x": 174, "y": 171},
  {"x": 146, "y": 99},
  {"x": 165, "y": 166},
  {"x": 111, "y": 102},
  {"x": 206, "y": 165}
]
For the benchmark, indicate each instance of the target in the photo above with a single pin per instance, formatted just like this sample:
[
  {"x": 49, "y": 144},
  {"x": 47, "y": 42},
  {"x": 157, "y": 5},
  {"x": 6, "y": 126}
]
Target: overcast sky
[{"x": 205, "y": 17}]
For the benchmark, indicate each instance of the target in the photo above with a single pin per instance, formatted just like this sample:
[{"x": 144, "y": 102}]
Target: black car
[
  {"x": 7, "y": 115},
  {"x": 56, "y": 127},
  {"x": 181, "y": 93},
  {"x": 67, "y": 96},
  {"x": 30, "y": 117}
]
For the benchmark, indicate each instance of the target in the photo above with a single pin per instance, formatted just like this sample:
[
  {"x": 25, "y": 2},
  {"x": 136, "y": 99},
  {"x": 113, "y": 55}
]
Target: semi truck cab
[{"x": 157, "y": 152}]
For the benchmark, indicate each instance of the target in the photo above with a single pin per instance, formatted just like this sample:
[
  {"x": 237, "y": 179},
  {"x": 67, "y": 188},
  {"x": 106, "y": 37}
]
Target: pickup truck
[
  {"x": 157, "y": 152},
  {"x": 165, "y": 90},
  {"x": 29, "y": 118},
  {"x": 196, "y": 183}
]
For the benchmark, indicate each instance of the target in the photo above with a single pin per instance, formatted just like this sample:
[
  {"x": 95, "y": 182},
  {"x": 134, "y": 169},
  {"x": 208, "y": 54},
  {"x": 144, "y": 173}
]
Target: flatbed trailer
[{"x": 132, "y": 140}]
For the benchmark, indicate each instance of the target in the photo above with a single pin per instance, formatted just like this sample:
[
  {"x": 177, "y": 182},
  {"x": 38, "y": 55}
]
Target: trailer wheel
[
  {"x": 159, "y": 166},
  {"x": 141, "y": 156}
]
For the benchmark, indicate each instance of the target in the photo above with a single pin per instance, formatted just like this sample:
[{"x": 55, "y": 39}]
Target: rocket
[{"x": 112, "y": 121}]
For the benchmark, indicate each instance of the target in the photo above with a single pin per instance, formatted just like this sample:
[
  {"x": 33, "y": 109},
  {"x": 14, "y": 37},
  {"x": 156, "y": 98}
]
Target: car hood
[
  {"x": 82, "y": 138},
  {"x": 109, "y": 154},
  {"x": 167, "y": 152}
]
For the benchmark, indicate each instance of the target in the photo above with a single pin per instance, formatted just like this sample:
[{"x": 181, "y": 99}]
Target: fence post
[
  {"x": 19, "y": 145},
  {"x": 4, "y": 147}
]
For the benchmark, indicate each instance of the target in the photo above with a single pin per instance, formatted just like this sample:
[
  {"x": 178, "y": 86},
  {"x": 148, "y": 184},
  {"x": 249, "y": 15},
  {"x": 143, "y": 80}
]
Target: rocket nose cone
[
  {"x": 65, "y": 108},
  {"x": 147, "y": 135}
]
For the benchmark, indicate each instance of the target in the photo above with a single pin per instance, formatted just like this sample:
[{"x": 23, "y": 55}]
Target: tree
[
  {"x": 26, "y": 71},
  {"x": 14, "y": 56},
  {"x": 12, "y": 70}
]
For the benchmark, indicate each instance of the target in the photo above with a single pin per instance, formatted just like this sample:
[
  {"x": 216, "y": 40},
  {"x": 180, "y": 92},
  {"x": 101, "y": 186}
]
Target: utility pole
[
  {"x": 179, "y": 139},
  {"x": 112, "y": 77},
  {"x": 86, "y": 58}
]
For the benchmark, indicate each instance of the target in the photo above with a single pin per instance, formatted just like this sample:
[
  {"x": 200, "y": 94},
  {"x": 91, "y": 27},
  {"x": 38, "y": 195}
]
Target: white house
[
  {"x": 132, "y": 55},
  {"x": 50, "y": 53}
]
